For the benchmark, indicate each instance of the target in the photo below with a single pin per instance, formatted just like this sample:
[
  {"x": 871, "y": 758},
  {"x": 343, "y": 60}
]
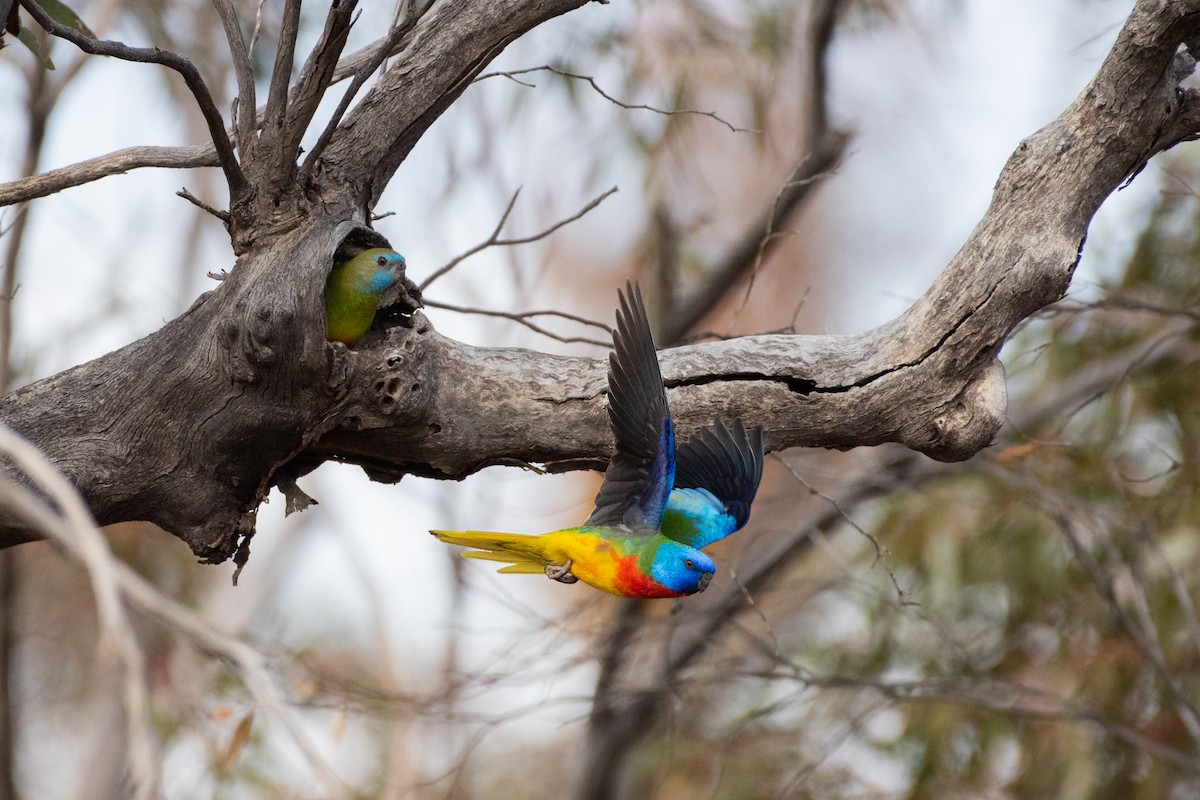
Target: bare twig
[
  {"x": 825, "y": 146},
  {"x": 257, "y": 29},
  {"x": 495, "y": 241},
  {"x": 881, "y": 552},
  {"x": 203, "y": 206},
  {"x": 523, "y": 317},
  {"x": 995, "y": 695},
  {"x": 1121, "y": 303},
  {"x": 234, "y": 176},
  {"x": 669, "y": 112}
]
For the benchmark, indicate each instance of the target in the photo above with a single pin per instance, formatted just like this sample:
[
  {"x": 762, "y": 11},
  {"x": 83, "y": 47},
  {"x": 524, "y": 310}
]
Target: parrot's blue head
[
  {"x": 681, "y": 568},
  {"x": 386, "y": 268}
]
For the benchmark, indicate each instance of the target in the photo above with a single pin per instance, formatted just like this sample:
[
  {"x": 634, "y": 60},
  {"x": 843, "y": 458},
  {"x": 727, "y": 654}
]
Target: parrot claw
[{"x": 561, "y": 573}]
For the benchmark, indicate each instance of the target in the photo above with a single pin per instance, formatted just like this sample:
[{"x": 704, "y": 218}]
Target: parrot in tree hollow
[
  {"x": 353, "y": 289},
  {"x": 642, "y": 539}
]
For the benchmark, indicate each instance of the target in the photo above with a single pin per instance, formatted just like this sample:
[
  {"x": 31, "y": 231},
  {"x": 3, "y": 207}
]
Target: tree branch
[
  {"x": 116, "y": 163},
  {"x": 246, "y": 105},
  {"x": 449, "y": 45},
  {"x": 234, "y": 177},
  {"x": 318, "y": 72},
  {"x": 825, "y": 148},
  {"x": 495, "y": 241},
  {"x": 274, "y": 130},
  {"x": 524, "y": 318},
  {"x": 668, "y": 112}
]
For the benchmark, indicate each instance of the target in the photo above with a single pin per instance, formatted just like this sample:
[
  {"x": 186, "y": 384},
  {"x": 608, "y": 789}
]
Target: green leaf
[
  {"x": 27, "y": 38},
  {"x": 63, "y": 15}
]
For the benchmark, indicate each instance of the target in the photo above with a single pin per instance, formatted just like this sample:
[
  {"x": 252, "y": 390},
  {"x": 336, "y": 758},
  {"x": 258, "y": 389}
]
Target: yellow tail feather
[
  {"x": 524, "y": 568},
  {"x": 522, "y": 553},
  {"x": 488, "y": 555}
]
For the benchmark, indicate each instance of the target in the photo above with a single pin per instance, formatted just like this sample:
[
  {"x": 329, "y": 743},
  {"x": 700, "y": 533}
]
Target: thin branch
[
  {"x": 247, "y": 105},
  {"x": 360, "y": 77},
  {"x": 277, "y": 96},
  {"x": 1006, "y": 697},
  {"x": 881, "y": 552},
  {"x": 236, "y": 179},
  {"x": 115, "y": 163},
  {"x": 72, "y": 526},
  {"x": 523, "y": 319},
  {"x": 74, "y": 530},
  {"x": 203, "y": 206},
  {"x": 495, "y": 241},
  {"x": 257, "y": 29},
  {"x": 320, "y": 70},
  {"x": 825, "y": 146},
  {"x": 669, "y": 112},
  {"x": 1121, "y": 303}
]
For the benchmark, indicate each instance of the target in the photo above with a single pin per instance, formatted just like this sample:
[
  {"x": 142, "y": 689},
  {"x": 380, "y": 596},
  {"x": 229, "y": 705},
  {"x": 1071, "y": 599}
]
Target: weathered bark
[{"x": 190, "y": 426}]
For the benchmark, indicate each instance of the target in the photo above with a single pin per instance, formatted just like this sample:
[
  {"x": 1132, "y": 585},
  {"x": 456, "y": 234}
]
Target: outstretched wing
[
  {"x": 642, "y": 472},
  {"x": 717, "y": 475}
]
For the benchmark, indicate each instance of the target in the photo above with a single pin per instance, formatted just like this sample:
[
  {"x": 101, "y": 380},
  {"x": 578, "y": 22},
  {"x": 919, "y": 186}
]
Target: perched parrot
[
  {"x": 353, "y": 290},
  {"x": 624, "y": 547}
]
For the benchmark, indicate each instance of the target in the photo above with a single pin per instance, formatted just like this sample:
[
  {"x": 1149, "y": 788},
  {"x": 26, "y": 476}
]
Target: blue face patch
[
  {"x": 681, "y": 568},
  {"x": 381, "y": 279},
  {"x": 387, "y": 272}
]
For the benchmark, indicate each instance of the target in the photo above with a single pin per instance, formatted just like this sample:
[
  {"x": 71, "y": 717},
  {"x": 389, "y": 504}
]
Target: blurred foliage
[{"x": 1048, "y": 643}]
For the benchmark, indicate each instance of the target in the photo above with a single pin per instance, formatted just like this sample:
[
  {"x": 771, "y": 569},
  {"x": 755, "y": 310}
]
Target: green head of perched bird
[{"x": 353, "y": 290}]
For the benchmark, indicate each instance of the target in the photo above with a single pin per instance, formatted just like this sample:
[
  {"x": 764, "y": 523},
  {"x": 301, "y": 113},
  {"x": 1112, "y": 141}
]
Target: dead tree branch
[{"x": 153, "y": 55}]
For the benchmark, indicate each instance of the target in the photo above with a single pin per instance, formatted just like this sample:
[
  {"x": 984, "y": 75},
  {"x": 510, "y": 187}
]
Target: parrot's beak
[{"x": 704, "y": 579}]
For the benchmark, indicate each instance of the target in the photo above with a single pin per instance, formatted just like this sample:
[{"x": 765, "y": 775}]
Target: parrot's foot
[{"x": 562, "y": 573}]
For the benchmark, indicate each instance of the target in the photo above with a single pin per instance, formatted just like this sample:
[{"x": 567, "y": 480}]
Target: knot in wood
[{"x": 971, "y": 420}]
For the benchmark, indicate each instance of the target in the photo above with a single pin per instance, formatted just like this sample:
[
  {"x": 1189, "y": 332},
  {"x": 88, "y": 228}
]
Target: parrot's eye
[
  {"x": 381, "y": 261},
  {"x": 689, "y": 563}
]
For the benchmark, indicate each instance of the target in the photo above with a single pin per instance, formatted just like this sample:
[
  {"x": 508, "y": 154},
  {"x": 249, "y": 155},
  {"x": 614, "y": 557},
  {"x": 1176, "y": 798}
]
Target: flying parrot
[
  {"x": 643, "y": 537},
  {"x": 353, "y": 289}
]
